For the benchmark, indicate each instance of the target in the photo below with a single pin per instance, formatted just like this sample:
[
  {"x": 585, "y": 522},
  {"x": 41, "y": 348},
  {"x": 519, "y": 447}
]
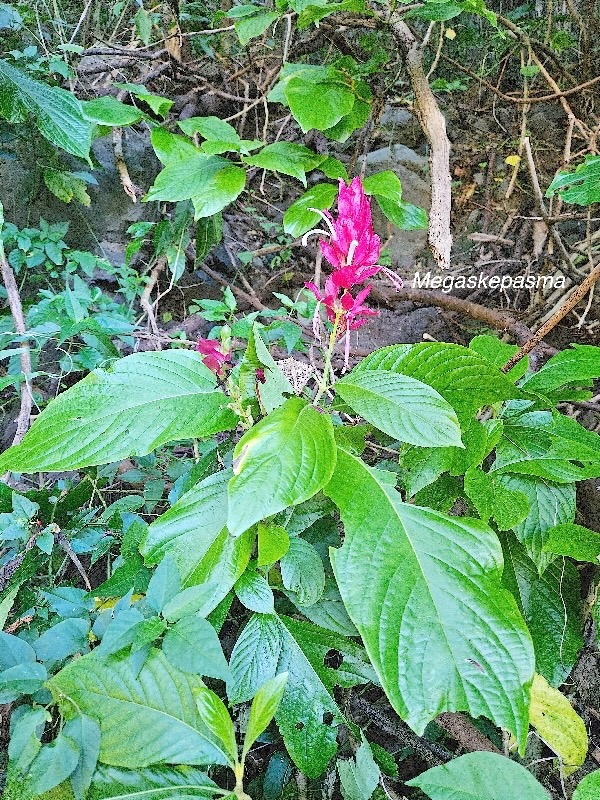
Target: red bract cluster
[
  {"x": 214, "y": 356},
  {"x": 352, "y": 250}
]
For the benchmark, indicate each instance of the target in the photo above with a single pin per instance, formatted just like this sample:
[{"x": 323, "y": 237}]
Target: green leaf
[
  {"x": 223, "y": 189},
  {"x": 192, "y": 645},
  {"x": 170, "y": 148},
  {"x": 283, "y": 460},
  {"x": 589, "y": 787},
  {"x": 302, "y": 571},
  {"x": 209, "y": 233},
  {"x": 143, "y": 25},
  {"x": 146, "y": 399},
  {"x": 253, "y": 591},
  {"x": 273, "y": 543},
  {"x": 404, "y": 408},
  {"x": 159, "y": 105},
  {"x": 62, "y": 640},
  {"x": 318, "y": 10},
  {"x": 264, "y": 706},
  {"x": 112, "y": 783},
  {"x": 109, "y": 111},
  {"x": 66, "y": 186},
  {"x": 275, "y": 385},
  {"x": 550, "y": 504},
  {"x": 579, "y": 365},
  {"x": 307, "y": 716},
  {"x": 250, "y": 27},
  {"x": 56, "y": 113},
  {"x": 193, "y": 532},
  {"x": 216, "y": 719},
  {"x": 359, "y": 777},
  {"x": 318, "y": 105},
  {"x": 212, "y": 129},
  {"x": 498, "y": 353},
  {"x": 551, "y": 606},
  {"x": 464, "y": 379},
  {"x": 480, "y": 776},
  {"x": 164, "y": 584},
  {"x": 387, "y": 190},
  {"x": 52, "y": 765},
  {"x": 85, "y": 732},
  {"x": 336, "y": 660},
  {"x": 209, "y": 181},
  {"x": 541, "y": 443},
  {"x": 492, "y": 499},
  {"x": 159, "y": 698},
  {"x": 357, "y": 117},
  {"x": 575, "y": 541},
  {"x": 405, "y": 216},
  {"x": 411, "y": 565},
  {"x": 581, "y": 187},
  {"x": 299, "y": 218},
  {"x": 287, "y": 158},
  {"x": 255, "y": 657}
]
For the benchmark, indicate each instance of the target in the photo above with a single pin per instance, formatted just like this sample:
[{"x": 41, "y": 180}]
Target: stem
[{"x": 328, "y": 355}]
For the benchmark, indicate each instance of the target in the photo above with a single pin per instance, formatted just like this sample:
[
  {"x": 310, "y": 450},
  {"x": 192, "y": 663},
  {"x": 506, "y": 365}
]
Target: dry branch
[
  {"x": 433, "y": 124},
  {"x": 16, "y": 309}
]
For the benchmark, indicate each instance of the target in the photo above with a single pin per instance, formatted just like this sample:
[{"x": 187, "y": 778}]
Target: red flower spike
[{"x": 214, "y": 357}]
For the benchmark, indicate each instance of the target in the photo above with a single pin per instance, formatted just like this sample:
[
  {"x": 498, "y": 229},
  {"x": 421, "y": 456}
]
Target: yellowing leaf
[
  {"x": 450, "y": 33},
  {"x": 558, "y": 724},
  {"x": 513, "y": 161}
]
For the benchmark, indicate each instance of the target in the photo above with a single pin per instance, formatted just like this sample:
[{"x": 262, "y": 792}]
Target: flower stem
[{"x": 324, "y": 382}]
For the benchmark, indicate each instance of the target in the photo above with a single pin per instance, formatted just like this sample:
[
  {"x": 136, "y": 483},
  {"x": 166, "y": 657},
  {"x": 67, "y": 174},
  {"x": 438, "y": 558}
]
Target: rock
[
  {"x": 405, "y": 247},
  {"x": 102, "y": 226},
  {"x": 398, "y": 124}
]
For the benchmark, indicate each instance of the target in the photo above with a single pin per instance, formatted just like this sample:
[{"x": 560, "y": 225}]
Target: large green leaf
[
  {"x": 543, "y": 444},
  {"x": 145, "y": 400},
  {"x": 551, "y": 605},
  {"x": 193, "y": 533},
  {"x": 424, "y": 591},
  {"x": 402, "y": 407},
  {"x": 113, "y": 783},
  {"x": 480, "y": 776},
  {"x": 283, "y": 460},
  {"x": 109, "y": 111},
  {"x": 209, "y": 181},
  {"x": 300, "y": 217},
  {"x": 318, "y": 105},
  {"x": 589, "y": 787},
  {"x": 307, "y": 715},
  {"x": 581, "y": 187},
  {"x": 578, "y": 364},
  {"x": 56, "y": 112},
  {"x": 550, "y": 504},
  {"x": 265, "y": 704},
  {"x": 288, "y": 158},
  {"x": 464, "y": 379},
  {"x": 159, "y": 699}
]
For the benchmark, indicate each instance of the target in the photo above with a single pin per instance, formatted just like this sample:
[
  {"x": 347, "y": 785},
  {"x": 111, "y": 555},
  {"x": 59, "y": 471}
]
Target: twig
[
  {"x": 65, "y": 545},
  {"x": 465, "y": 733},
  {"x": 499, "y": 320},
  {"x": 537, "y": 190},
  {"x": 578, "y": 294},
  {"x": 128, "y": 186},
  {"x": 434, "y": 127},
  {"x": 16, "y": 309},
  {"x": 430, "y": 752},
  {"x": 145, "y": 303},
  {"x": 520, "y": 100}
]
